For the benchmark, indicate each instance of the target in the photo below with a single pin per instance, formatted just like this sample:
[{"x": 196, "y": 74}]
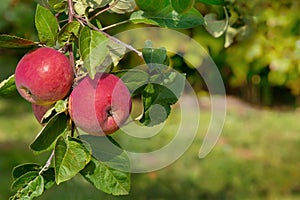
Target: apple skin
[
  {"x": 101, "y": 105},
  {"x": 39, "y": 111},
  {"x": 44, "y": 76}
]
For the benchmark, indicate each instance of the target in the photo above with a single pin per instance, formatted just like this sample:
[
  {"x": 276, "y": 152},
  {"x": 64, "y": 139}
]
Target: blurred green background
[{"x": 257, "y": 155}]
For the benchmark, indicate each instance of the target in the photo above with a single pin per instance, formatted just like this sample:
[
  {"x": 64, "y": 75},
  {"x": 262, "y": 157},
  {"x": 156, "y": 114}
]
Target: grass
[{"x": 256, "y": 157}]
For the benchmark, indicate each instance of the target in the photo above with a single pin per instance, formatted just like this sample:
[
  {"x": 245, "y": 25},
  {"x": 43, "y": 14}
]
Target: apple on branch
[
  {"x": 101, "y": 105},
  {"x": 44, "y": 76}
]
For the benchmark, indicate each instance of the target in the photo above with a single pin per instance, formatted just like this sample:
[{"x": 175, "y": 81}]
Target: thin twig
[
  {"x": 48, "y": 163},
  {"x": 105, "y": 9},
  {"x": 70, "y": 48},
  {"x": 114, "y": 25}
]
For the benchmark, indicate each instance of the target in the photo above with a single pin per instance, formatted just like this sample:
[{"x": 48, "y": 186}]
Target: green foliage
[
  {"x": 181, "y": 6},
  {"x": 46, "y": 139},
  {"x": 46, "y": 25},
  {"x": 8, "y": 41},
  {"x": 93, "y": 49},
  {"x": 69, "y": 33},
  {"x": 75, "y": 29},
  {"x": 165, "y": 17},
  {"x": 70, "y": 157},
  {"x": 107, "y": 179},
  {"x": 8, "y": 87}
]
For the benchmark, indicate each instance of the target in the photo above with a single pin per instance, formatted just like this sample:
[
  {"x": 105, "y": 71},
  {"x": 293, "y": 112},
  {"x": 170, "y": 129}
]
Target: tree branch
[{"x": 48, "y": 163}]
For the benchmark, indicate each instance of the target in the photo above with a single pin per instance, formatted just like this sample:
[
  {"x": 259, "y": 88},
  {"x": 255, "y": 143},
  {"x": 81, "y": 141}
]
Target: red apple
[
  {"x": 101, "y": 105},
  {"x": 39, "y": 111},
  {"x": 44, "y": 76}
]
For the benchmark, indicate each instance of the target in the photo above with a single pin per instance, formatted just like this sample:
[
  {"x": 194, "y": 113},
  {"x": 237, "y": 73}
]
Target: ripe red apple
[
  {"x": 44, "y": 76},
  {"x": 39, "y": 111},
  {"x": 101, "y": 105}
]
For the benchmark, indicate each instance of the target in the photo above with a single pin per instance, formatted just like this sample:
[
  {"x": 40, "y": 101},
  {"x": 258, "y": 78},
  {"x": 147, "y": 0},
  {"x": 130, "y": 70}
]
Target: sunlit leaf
[
  {"x": 214, "y": 26},
  {"x": 71, "y": 156},
  {"x": 46, "y": 25},
  {"x": 107, "y": 179},
  {"x": 93, "y": 49},
  {"x": 69, "y": 32},
  {"x": 123, "y": 6}
]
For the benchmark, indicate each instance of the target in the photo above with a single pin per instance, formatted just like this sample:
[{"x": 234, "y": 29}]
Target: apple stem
[{"x": 48, "y": 163}]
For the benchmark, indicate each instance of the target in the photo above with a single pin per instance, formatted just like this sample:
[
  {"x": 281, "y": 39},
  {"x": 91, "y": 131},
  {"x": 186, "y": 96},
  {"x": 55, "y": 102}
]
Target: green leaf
[
  {"x": 81, "y": 6},
  {"x": 215, "y": 27},
  {"x": 116, "y": 51},
  {"x": 167, "y": 18},
  {"x": 152, "y": 6},
  {"x": 45, "y": 140},
  {"x": 107, "y": 179},
  {"x": 48, "y": 175},
  {"x": 212, "y": 2},
  {"x": 93, "y": 49},
  {"x": 58, "y": 5},
  {"x": 33, "y": 186},
  {"x": 182, "y": 6},
  {"x": 24, "y": 168},
  {"x": 134, "y": 79},
  {"x": 61, "y": 106},
  {"x": 123, "y": 6},
  {"x": 71, "y": 156},
  {"x": 23, "y": 180},
  {"x": 46, "y": 25},
  {"x": 9, "y": 41},
  {"x": 154, "y": 56},
  {"x": 156, "y": 101},
  {"x": 69, "y": 33},
  {"x": 8, "y": 87},
  {"x": 164, "y": 90}
]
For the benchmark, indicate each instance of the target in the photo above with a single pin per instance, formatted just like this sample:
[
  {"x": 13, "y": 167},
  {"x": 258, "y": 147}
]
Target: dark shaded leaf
[
  {"x": 34, "y": 186},
  {"x": 182, "y": 6},
  {"x": 49, "y": 134},
  {"x": 212, "y": 2},
  {"x": 9, "y": 41},
  {"x": 167, "y": 18},
  {"x": 152, "y": 6},
  {"x": 8, "y": 87}
]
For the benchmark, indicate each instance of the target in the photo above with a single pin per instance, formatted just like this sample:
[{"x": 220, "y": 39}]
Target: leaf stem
[{"x": 48, "y": 163}]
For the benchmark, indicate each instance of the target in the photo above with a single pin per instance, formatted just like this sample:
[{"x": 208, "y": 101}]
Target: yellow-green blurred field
[{"x": 256, "y": 157}]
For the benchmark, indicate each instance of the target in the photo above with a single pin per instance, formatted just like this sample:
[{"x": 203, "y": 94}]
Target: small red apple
[
  {"x": 44, "y": 76},
  {"x": 39, "y": 111},
  {"x": 101, "y": 105}
]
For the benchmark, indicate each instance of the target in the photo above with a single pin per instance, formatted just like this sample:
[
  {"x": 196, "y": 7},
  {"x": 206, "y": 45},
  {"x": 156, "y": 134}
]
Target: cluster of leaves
[{"x": 75, "y": 29}]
